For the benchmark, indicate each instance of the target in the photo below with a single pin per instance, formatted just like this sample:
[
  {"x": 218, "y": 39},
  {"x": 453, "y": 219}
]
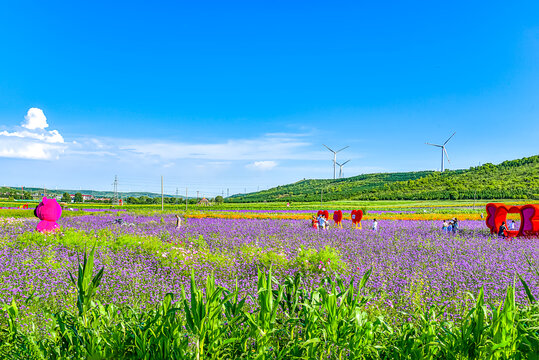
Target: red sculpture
[
  {"x": 357, "y": 215},
  {"x": 324, "y": 213},
  {"x": 337, "y": 217},
  {"x": 529, "y": 219}
]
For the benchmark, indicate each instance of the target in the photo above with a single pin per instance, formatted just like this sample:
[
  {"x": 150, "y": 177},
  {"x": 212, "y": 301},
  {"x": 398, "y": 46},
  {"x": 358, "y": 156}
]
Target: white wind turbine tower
[
  {"x": 444, "y": 151},
  {"x": 335, "y": 159},
  {"x": 340, "y": 168}
]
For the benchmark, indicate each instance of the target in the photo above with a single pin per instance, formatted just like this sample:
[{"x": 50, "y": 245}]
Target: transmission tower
[{"x": 115, "y": 200}]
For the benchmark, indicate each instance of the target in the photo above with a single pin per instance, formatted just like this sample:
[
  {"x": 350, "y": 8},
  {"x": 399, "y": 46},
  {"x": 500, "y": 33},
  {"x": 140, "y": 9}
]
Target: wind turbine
[
  {"x": 444, "y": 151},
  {"x": 340, "y": 168},
  {"x": 335, "y": 159}
]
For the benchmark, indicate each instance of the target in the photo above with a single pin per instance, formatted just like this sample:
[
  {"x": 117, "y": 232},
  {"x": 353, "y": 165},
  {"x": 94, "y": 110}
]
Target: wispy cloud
[
  {"x": 268, "y": 146},
  {"x": 262, "y": 165}
]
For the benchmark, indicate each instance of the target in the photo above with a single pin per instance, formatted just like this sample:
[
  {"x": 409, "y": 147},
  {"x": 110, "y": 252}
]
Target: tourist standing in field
[
  {"x": 513, "y": 225},
  {"x": 375, "y": 225},
  {"x": 455, "y": 225},
  {"x": 321, "y": 222},
  {"x": 314, "y": 222},
  {"x": 444, "y": 226},
  {"x": 178, "y": 221}
]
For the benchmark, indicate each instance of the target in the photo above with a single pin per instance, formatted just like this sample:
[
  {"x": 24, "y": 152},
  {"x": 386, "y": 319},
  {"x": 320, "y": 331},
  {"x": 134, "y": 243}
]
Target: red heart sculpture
[
  {"x": 337, "y": 216},
  {"x": 501, "y": 216},
  {"x": 356, "y": 215},
  {"x": 529, "y": 218},
  {"x": 324, "y": 213}
]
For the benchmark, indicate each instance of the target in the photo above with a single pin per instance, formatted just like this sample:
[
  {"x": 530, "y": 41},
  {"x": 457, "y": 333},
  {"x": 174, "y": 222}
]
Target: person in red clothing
[{"x": 314, "y": 222}]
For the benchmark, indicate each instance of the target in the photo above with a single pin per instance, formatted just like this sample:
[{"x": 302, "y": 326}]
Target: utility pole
[
  {"x": 321, "y": 197},
  {"x": 185, "y": 199},
  {"x": 162, "y": 196},
  {"x": 227, "y": 192},
  {"x": 197, "y": 196}
]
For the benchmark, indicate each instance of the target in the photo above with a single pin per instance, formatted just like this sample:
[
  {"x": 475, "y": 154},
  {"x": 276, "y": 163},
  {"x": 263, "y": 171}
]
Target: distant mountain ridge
[
  {"x": 95, "y": 193},
  {"x": 511, "y": 179}
]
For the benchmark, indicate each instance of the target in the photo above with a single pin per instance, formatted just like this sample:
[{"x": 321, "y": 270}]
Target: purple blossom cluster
[
  {"x": 415, "y": 264},
  {"x": 306, "y": 211}
]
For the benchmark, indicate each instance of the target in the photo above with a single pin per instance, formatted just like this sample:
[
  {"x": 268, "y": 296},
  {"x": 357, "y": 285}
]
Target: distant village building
[
  {"x": 85, "y": 197},
  {"x": 204, "y": 202}
]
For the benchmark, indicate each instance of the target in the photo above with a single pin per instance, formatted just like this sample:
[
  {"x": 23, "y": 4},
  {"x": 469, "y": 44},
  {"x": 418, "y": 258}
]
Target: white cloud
[
  {"x": 46, "y": 136},
  {"x": 268, "y": 146},
  {"x": 34, "y": 143},
  {"x": 263, "y": 165},
  {"x": 35, "y": 119}
]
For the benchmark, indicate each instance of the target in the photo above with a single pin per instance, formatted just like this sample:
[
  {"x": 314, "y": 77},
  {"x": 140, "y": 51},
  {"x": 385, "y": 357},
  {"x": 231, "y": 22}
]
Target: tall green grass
[{"x": 284, "y": 321}]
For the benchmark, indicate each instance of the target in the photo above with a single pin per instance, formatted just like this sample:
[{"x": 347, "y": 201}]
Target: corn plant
[{"x": 286, "y": 322}]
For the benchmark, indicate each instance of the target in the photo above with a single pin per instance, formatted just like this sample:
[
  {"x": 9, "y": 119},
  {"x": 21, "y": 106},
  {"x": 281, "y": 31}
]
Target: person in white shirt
[
  {"x": 375, "y": 225},
  {"x": 513, "y": 225}
]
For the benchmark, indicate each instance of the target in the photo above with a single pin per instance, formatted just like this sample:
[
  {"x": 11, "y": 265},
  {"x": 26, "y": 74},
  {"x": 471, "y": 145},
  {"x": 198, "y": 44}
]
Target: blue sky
[{"x": 241, "y": 95}]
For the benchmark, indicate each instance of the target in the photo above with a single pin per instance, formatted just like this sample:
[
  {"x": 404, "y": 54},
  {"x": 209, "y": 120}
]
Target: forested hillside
[{"x": 514, "y": 179}]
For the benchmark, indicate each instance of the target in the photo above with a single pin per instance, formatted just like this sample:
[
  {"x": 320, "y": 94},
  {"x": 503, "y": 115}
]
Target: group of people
[
  {"x": 502, "y": 231},
  {"x": 321, "y": 222},
  {"x": 450, "y": 226}
]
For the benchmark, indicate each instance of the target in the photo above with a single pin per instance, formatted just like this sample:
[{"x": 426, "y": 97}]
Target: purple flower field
[{"x": 415, "y": 265}]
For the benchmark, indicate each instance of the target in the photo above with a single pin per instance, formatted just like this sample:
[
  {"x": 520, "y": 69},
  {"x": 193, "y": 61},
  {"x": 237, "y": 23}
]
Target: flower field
[{"x": 414, "y": 267}]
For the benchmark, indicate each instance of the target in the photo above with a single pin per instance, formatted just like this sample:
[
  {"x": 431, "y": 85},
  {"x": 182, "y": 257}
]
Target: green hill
[{"x": 514, "y": 179}]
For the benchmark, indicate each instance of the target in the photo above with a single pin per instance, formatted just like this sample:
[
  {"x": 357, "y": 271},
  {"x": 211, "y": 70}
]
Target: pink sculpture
[{"x": 48, "y": 211}]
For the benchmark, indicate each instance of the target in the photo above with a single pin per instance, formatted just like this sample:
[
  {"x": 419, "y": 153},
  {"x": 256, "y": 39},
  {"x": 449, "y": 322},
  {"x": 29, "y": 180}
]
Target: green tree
[
  {"x": 132, "y": 200},
  {"x": 66, "y": 198},
  {"x": 78, "y": 197},
  {"x": 219, "y": 199}
]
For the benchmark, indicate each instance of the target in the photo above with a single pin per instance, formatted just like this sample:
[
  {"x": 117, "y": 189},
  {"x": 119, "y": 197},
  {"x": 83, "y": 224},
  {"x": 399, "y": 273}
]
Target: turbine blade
[
  {"x": 345, "y": 162},
  {"x": 450, "y": 138},
  {"x": 433, "y": 144},
  {"x": 446, "y": 155},
  {"x": 346, "y": 147},
  {"x": 328, "y": 148}
]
